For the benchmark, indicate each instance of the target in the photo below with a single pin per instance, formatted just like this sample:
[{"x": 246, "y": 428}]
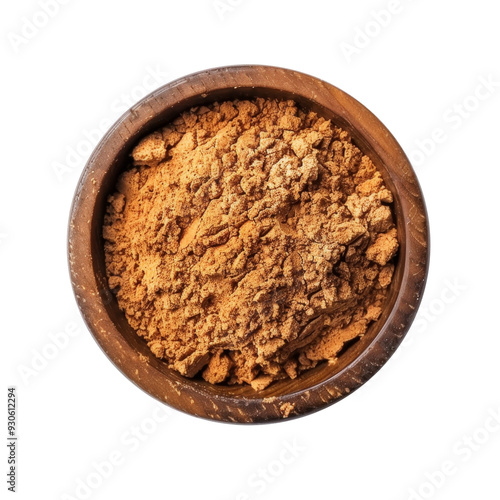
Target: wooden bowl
[{"x": 314, "y": 389}]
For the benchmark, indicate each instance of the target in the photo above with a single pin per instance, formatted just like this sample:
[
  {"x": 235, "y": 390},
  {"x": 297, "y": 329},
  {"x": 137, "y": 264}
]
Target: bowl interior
[{"x": 309, "y": 378}]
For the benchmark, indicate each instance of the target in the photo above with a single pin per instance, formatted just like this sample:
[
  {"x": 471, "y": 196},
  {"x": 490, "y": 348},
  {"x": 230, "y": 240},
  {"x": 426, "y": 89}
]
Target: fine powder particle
[{"x": 248, "y": 241}]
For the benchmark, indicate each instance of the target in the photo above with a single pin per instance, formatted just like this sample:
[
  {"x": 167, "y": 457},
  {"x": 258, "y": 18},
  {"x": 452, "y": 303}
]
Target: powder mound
[{"x": 248, "y": 241}]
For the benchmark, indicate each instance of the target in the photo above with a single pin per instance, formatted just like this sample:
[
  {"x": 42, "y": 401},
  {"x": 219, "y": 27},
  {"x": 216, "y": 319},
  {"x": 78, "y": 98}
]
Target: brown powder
[{"x": 249, "y": 241}]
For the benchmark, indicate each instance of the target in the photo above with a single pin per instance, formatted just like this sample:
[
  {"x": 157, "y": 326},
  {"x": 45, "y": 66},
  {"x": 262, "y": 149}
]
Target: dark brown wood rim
[{"x": 196, "y": 399}]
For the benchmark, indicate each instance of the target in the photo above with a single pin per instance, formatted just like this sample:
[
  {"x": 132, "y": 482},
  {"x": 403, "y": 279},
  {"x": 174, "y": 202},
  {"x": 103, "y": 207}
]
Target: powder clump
[{"x": 249, "y": 241}]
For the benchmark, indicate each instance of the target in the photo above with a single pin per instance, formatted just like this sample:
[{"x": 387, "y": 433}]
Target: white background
[{"x": 92, "y": 59}]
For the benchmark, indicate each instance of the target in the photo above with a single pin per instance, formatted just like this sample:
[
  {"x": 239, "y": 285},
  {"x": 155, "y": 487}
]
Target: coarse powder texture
[{"x": 249, "y": 241}]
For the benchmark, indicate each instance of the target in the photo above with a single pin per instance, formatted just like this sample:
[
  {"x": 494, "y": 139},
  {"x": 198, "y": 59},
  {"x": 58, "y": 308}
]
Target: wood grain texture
[{"x": 316, "y": 388}]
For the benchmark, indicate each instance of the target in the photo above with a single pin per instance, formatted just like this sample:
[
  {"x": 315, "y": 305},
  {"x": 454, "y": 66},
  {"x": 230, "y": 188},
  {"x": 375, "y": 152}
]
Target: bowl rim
[{"x": 92, "y": 296}]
